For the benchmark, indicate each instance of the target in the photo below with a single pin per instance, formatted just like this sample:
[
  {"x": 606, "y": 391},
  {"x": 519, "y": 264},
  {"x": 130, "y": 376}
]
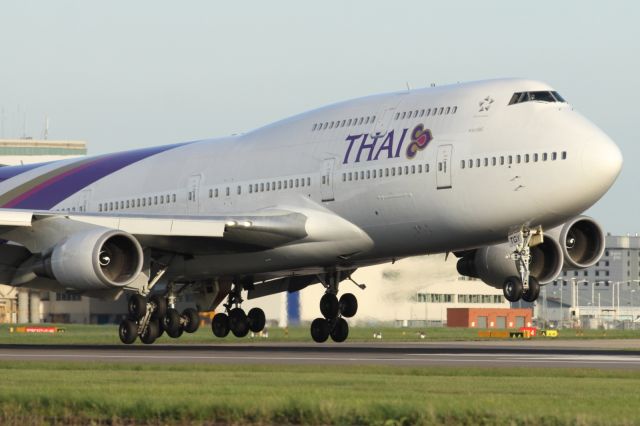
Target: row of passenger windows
[
  {"x": 511, "y": 159},
  {"x": 275, "y": 185},
  {"x": 460, "y": 298},
  {"x": 135, "y": 203},
  {"x": 386, "y": 172},
  {"x": 426, "y": 112},
  {"x": 344, "y": 123}
]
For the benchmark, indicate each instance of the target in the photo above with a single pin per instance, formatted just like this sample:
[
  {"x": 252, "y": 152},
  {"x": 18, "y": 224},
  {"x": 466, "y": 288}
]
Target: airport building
[
  {"x": 24, "y": 305},
  {"x": 605, "y": 295}
]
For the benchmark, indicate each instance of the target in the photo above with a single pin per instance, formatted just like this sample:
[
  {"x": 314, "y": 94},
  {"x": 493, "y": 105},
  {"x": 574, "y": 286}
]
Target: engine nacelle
[
  {"x": 582, "y": 241},
  {"x": 94, "y": 260},
  {"x": 491, "y": 265}
]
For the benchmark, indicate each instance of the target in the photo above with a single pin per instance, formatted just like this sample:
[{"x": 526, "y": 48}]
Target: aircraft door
[
  {"x": 444, "y": 165},
  {"x": 193, "y": 194},
  {"x": 326, "y": 179}
]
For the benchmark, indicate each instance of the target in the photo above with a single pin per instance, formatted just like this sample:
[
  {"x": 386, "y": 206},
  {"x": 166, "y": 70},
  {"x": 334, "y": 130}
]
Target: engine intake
[
  {"x": 582, "y": 241},
  {"x": 96, "y": 259}
]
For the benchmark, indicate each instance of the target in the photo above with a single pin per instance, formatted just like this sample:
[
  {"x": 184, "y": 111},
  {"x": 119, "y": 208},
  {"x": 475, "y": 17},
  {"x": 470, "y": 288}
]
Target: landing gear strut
[
  {"x": 523, "y": 286},
  {"x": 334, "y": 311},
  {"x": 235, "y": 319}
]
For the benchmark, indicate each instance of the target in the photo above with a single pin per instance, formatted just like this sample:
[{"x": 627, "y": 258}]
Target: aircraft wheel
[
  {"x": 340, "y": 331},
  {"x": 329, "y": 306},
  {"x": 137, "y": 306},
  {"x": 348, "y": 305},
  {"x": 160, "y": 306},
  {"x": 257, "y": 320},
  {"x": 172, "y": 323},
  {"x": 533, "y": 292},
  {"x": 193, "y": 320},
  {"x": 151, "y": 333},
  {"x": 128, "y": 331},
  {"x": 512, "y": 289},
  {"x": 238, "y": 322},
  {"x": 320, "y": 330},
  {"x": 220, "y": 325}
]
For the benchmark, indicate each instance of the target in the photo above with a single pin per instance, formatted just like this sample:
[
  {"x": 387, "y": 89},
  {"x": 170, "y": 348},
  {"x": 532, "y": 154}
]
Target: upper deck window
[{"x": 540, "y": 96}]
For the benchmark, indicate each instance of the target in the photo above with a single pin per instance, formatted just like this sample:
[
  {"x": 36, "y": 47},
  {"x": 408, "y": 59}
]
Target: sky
[{"x": 123, "y": 74}]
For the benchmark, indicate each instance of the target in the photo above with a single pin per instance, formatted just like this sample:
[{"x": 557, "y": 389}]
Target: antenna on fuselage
[{"x": 408, "y": 86}]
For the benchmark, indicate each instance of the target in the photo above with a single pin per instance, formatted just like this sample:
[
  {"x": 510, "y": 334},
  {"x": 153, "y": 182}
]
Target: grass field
[
  {"x": 108, "y": 334},
  {"x": 106, "y": 393}
]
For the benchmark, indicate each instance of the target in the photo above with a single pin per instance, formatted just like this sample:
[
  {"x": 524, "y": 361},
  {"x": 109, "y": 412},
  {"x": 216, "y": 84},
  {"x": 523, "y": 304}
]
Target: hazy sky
[{"x": 125, "y": 74}]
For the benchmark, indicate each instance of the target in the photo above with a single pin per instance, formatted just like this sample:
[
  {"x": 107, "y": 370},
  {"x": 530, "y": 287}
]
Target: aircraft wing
[{"x": 38, "y": 231}]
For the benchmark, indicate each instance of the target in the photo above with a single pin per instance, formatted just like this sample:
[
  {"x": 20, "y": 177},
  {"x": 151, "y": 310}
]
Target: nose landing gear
[{"x": 525, "y": 287}]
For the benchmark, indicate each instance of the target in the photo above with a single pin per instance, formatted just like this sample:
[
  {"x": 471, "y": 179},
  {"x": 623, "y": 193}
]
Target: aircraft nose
[{"x": 601, "y": 162}]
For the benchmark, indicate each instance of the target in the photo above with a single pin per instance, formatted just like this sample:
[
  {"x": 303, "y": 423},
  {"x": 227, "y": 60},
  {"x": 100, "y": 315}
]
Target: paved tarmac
[{"x": 624, "y": 354}]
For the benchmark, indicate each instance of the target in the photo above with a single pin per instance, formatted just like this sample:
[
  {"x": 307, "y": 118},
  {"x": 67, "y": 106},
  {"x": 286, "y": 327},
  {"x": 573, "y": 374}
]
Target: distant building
[{"x": 606, "y": 294}]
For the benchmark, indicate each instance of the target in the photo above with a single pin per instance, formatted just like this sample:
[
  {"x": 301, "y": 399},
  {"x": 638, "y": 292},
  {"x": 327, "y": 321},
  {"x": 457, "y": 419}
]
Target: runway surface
[{"x": 470, "y": 354}]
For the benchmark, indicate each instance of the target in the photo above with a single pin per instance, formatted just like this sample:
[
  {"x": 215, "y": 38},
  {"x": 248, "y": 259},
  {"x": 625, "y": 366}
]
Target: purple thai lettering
[
  {"x": 387, "y": 146},
  {"x": 351, "y": 139},
  {"x": 399, "y": 148},
  {"x": 368, "y": 146}
]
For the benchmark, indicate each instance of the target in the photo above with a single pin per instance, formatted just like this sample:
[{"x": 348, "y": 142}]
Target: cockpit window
[{"x": 540, "y": 96}]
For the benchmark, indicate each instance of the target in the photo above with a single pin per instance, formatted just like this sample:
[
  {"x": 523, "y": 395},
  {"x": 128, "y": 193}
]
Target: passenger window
[
  {"x": 155, "y": 199},
  {"x": 386, "y": 172},
  {"x": 404, "y": 114},
  {"x": 239, "y": 190},
  {"x": 361, "y": 120},
  {"x": 349, "y": 122},
  {"x": 454, "y": 110},
  {"x": 308, "y": 181},
  {"x": 554, "y": 156},
  {"x": 393, "y": 171},
  {"x": 227, "y": 192},
  {"x": 470, "y": 164},
  {"x": 448, "y": 110},
  {"x": 343, "y": 123},
  {"x": 544, "y": 156},
  {"x": 216, "y": 193},
  {"x": 510, "y": 159},
  {"x": 350, "y": 176},
  {"x": 268, "y": 186},
  {"x": 285, "y": 184},
  {"x": 420, "y": 168},
  {"x": 374, "y": 173},
  {"x": 210, "y": 193},
  {"x": 368, "y": 174},
  {"x": 564, "y": 155},
  {"x": 462, "y": 163},
  {"x": 355, "y": 176},
  {"x": 426, "y": 168},
  {"x": 518, "y": 158},
  {"x": 413, "y": 170},
  {"x": 439, "y": 166},
  {"x": 250, "y": 189},
  {"x": 422, "y": 113},
  {"x": 314, "y": 127},
  {"x": 297, "y": 183},
  {"x": 262, "y": 187},
  {"x": 477, "y": 162},
  {"x": 501, "y": 160},
  {"x": 399, "y": 171},
  {"x": 441, "y": 109},
  {"x": 127, "y": 203},
  {"x": 373, "y": 119},
  {"x": 279, "y": 184},
  {"x": 526, "y": 158},
  {"x": 486, "y": 162},
  {"x": 406, "y": 170},
  {"x": 494, "y": 161},
  {"x": 535, "y": 158}
]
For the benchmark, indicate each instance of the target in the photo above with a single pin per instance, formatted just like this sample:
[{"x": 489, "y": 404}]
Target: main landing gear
[
  {"x": 525, "y": 286},
  {"x": 150, "y": 317},
  {"x": 234, "y": 318},
  {"x": 334, "y": 311}
]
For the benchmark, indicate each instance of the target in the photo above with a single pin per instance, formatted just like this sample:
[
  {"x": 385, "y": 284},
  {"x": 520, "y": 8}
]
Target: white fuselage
[{"x": 488, "y": 168}]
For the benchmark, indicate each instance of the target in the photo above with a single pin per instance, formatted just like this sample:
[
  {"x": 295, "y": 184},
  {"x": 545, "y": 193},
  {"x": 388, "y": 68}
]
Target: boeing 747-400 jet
[{"x": 496, "y": 172}]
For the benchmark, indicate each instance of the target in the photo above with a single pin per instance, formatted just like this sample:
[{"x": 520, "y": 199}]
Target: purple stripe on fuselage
[
  {"x": 7, "y": 172},
  {"x": 51, "y": 192}
]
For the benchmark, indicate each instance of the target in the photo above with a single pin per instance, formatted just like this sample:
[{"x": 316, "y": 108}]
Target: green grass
[
  {"x": 108, "y": 334},
  {"x": 123, "y": 393}
]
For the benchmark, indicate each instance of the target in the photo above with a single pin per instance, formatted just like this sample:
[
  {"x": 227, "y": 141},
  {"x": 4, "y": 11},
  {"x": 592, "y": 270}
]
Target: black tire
[
  {"x": 257, "y": 320},
  {"x": 238, "y": 322},
  {"x": 320, "y": 330},
  {"x": 329, "y": 306},
  {"x": 531, "y": 295},
  {"x": 160, "y": 306},
  {"x": 192, "y": 320},
  {"x": 128, "y": 331},
  {"x": 137, "y": 306},
  {"x": 151, "y": 333},
  {"x": 348, "y": 305},
  {"x": 340, "y": 331},
  {"x": 512, "y": 289},
  {"x": 220, "y": 325},
  {"x": 172, "y": 323}
]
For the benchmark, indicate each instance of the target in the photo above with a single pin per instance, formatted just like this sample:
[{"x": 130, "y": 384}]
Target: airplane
[{"x": 497, "y": 172}]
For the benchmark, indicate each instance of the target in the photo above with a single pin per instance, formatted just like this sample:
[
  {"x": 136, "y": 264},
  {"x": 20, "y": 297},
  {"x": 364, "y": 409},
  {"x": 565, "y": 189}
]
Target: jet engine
[
  {"x": 93, "y": 260},
  {"x": 582, "y": 241},
  {"x": 492, "y": 266}
]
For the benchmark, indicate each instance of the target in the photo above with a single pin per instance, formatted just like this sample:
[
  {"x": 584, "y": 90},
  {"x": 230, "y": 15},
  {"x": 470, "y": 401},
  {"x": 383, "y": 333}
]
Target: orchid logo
[{"x": 420, "y": 138}]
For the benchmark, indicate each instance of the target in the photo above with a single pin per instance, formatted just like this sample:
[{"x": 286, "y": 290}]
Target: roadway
[{"x": 564, "y": 354}]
